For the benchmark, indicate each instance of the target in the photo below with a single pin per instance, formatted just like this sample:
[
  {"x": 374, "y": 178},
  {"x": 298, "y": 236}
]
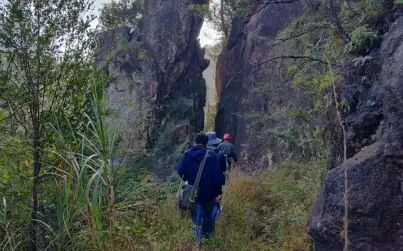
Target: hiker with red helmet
[{"x": 228, "y": 149}]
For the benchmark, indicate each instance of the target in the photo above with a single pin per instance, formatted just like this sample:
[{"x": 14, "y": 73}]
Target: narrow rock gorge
[
  {"x": 96, "y": 125},
  {"x": 157, "y": 93}
]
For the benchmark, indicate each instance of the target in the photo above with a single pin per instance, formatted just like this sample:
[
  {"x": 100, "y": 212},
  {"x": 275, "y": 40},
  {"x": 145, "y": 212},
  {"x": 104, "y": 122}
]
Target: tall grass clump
[
  {"x": 101, "y": 204},
  {"x": 10, "y": 236},
  {"x": 86, "y": 180},
  {"x": 269, "y": 210}
]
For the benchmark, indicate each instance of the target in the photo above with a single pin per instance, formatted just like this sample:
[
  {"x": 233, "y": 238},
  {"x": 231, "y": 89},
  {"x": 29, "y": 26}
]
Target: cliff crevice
[{"x": 156, "y": 85}]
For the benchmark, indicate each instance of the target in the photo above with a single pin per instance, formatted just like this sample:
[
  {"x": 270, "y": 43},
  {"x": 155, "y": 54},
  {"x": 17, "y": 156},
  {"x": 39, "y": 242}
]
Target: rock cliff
[
  {"x": 373, "y": 90},
  {"x": 237, "y": 83},
  {"x": 374, "y": 129},
  {"x": 156, "y": 93}
]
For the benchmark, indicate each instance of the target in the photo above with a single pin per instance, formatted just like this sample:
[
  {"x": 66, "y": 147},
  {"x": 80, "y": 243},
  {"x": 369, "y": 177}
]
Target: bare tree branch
[
  {"x": 245, "y": 69},
  {"x": 336, "y": 23},
  {"x": 281, "y": 40}
]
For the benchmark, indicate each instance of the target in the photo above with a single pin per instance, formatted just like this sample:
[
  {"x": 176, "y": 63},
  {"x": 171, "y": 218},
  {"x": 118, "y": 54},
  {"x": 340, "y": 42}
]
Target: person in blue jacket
[{"x": 210, "y": 186}]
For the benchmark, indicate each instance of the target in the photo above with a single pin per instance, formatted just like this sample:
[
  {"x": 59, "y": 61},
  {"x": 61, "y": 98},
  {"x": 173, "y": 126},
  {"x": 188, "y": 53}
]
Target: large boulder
[{"x": 374, "y": 165}]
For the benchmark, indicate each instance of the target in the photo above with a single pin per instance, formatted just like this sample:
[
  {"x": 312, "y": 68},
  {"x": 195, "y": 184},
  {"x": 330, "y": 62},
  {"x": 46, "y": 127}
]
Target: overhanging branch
[
  {"x": 322, "y": 61},
  {"x": 336, "y": 23}
]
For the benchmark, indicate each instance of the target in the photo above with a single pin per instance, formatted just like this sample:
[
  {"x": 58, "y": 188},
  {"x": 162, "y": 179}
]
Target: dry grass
[{"x": 268, "y": 211}]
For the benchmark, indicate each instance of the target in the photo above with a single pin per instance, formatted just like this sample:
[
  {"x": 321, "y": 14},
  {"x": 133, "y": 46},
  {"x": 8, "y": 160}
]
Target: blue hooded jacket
[{"x": 212, "y": 178}]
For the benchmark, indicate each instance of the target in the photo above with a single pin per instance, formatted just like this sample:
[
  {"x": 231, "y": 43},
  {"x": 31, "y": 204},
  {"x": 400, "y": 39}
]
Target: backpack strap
[{"x": 199, "y": 172}]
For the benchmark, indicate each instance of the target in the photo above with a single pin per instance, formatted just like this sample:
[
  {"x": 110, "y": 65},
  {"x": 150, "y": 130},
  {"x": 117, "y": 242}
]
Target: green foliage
[
  {"x": 10, "y": 234},
  {"x": 149, "y": 220},
  {"x": 322, "y": 82},
  {"x": 221, "y": 13},
  {"x": 282, "y": 124},
  {"x": 135, "y": 79},
  {"x": 90, "y": 177},
  {"x": 15, "y": 163},
  {"x": 399, "y": 1},
  {"x": 363, "y": 40},
  {"x": 200, "y": 9},
  {"x": 45, "y": 52},
  {"x": 179, "y": 107},
  {"x": 142, "y": 55},
  {"x": 120, "y": 13},
  {"x": 90, "y": 201},
  {"x": 164, "y": 144},
  {"x": 269, "y": 210}
]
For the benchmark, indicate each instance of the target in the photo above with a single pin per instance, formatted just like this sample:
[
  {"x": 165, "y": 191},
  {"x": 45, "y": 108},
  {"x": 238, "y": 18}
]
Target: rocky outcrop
[
  {"x": 237, "y": 83},
  {"x": 374, "y": 164},
  {"x": 156, "y": 85}
]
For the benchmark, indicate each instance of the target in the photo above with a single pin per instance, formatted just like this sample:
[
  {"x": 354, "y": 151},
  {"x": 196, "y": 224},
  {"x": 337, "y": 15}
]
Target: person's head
[
  {"x": 212, "y": 139},
  {"x": 201, "y": 139},
  {"x": 227, "y": 137}
]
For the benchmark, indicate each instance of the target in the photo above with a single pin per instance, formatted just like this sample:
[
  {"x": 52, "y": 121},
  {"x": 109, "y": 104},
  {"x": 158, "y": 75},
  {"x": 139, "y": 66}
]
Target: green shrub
[
  {"x": 142, "y": 55},
  {"x": 363, "y": 40},
  {"x": 118, "y": 13}
]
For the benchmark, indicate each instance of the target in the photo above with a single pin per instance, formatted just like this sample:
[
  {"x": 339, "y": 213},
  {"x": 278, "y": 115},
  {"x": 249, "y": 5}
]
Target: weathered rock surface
[
  {"x": 237, "y": 85},
  {"x": 156, "y": 70},
  {"x": 375, "y": 164}
]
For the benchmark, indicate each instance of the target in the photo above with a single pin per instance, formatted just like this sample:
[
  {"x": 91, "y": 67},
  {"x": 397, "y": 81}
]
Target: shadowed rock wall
[
  {"x": 375, "y": 163},
  {"x": 238, "y": 98},
  {"x": 157, "y": 92}
]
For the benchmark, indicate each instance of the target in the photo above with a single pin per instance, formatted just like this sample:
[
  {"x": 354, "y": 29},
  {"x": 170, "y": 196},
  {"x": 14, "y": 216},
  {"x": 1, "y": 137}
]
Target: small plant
[
  {"x": 200, "y": 9},
  {"x": 120, "y": 13},
  {"x": 142, "y": 55},
  {"x": 363, "y": 40},
  {"x": 10, "y": 237},
  {"x": 135, "y": 79}
]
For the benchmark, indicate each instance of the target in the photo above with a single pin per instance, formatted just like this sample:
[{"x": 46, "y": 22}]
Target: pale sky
[
  {"x": 208, "y": 34},
  {"x": 98, "y": 3}
]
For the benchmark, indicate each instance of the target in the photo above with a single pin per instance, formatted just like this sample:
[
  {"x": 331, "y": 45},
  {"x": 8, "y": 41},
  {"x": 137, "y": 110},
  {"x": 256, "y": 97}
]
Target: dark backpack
[{"x": 186, "y": 197}]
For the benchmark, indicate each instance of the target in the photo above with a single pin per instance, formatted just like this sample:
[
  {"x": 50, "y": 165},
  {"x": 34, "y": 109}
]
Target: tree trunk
[
  {"x": 336, "y": 23},
  {"x": 37, "y": 154}
]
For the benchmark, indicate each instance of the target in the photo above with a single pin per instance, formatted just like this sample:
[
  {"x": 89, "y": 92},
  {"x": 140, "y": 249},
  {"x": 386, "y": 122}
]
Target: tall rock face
[
  {"x": 374, "y": 132},
  {"x": 237, "y": 82},
  {"x": 156, "y": 93}
]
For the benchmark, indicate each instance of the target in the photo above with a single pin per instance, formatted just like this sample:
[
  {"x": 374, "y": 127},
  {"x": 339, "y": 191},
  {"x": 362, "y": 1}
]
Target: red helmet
[{"x": 227, "y": 137}]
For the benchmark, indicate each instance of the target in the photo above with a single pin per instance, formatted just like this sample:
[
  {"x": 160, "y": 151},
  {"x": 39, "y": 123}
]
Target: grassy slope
[{"x": 265, "y": 211}]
